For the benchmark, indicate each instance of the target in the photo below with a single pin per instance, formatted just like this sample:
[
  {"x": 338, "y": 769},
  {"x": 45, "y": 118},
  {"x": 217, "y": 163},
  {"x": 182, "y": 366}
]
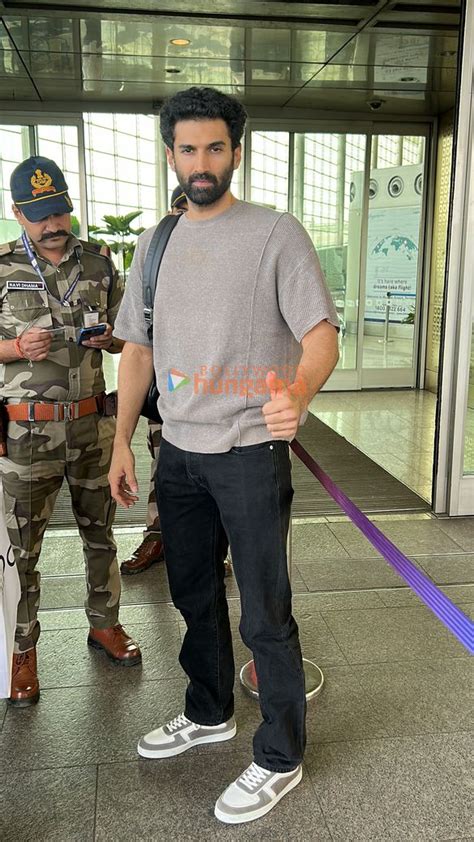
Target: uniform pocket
[
  {"x": 93, "y": 299},
  {"x": 28, "y": 308}
]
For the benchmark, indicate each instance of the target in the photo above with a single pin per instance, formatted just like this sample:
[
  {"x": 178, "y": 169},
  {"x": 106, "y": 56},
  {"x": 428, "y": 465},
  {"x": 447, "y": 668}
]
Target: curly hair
[{"x": 202, "y": 104}]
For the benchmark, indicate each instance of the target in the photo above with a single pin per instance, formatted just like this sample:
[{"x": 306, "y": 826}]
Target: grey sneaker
[
  {"x": 180, "y": 734},
  {"x": 255, "y": 793}
]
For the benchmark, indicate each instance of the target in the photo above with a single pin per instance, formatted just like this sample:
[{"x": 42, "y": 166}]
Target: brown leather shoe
[
  {"x": 149, "y": 552},
  {"x": 25, "y": 689},
  {"x": 117, "y": 645}
]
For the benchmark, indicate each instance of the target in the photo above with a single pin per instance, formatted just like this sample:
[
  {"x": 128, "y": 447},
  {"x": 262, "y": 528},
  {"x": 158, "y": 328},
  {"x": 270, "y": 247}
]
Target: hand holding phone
[{"x": 89, "y": 332}]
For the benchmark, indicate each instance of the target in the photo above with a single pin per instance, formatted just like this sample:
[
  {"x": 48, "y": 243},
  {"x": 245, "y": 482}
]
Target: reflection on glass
[
  {"x": 469, "y": 426},
  {"x": 269, "y": 169},
  {"x": 393, "y": 245},
  {"x": 324, "y": 201}
]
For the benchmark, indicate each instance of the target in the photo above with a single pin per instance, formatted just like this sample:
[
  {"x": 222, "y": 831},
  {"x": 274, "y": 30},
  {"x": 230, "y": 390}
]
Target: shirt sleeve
[
  {"x": 130, "y": 324},
  {"x": 115, "y": 295},
  {"x": 303, "y": 296}
]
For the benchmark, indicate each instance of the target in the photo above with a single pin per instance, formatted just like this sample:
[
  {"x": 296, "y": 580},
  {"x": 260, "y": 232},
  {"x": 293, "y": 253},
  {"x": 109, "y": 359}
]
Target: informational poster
[{"x": 392, "y": 262}]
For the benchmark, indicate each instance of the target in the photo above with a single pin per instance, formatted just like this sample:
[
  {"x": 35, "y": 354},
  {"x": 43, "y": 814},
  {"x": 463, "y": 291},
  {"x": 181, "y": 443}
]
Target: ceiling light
[
  {"x": 122, "y": 85},
  {"x": 180, "y": 42}
]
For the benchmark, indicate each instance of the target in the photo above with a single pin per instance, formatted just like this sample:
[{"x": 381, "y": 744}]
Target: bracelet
[{"x": 19, "y": 352}]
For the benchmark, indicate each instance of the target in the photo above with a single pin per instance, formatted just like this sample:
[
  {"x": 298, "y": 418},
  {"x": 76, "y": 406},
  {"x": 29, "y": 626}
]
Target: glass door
[
  {"x": 393, "y": 261},
  {"x": 328, "y": 198}
]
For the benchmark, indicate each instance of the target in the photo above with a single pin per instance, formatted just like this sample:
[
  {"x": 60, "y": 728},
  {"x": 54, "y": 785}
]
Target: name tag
[
  {"x": 91, "y": 318},
  {"x": 25, "y": 285}
]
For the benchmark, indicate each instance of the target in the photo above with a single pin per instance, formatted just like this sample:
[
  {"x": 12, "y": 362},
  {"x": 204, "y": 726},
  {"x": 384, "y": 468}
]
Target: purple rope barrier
[{"x": 450, "y": 615}]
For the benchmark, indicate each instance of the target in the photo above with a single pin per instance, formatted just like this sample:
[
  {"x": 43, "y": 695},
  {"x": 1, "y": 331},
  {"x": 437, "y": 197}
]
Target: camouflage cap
[
  {"x": 178, "y": 198},
  {"x": 39, "y": 188}
]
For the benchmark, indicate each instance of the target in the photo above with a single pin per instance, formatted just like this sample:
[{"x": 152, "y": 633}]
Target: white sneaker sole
[
  {"x": 262, "y": 811},
  {"x": 156, "y": 754}
]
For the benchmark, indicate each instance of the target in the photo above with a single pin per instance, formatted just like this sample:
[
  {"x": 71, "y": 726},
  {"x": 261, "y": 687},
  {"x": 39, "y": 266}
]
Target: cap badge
[{"x": 42, "y": 183}]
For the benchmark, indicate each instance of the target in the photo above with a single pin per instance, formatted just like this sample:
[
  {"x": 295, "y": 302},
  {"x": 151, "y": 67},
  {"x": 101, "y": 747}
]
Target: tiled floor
[
  {"x": 394, "y": 427},
  {"x": 388, "y": 738}
]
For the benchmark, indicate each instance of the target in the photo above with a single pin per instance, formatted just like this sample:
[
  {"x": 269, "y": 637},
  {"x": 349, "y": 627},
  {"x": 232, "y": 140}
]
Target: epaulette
[
  {"x": 7, "y": 248},
  {"x": 96, "y": 248}
]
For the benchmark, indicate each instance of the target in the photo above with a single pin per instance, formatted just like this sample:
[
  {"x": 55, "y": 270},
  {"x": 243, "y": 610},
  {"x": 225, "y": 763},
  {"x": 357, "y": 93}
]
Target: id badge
[{"x": 91, "y": 318}]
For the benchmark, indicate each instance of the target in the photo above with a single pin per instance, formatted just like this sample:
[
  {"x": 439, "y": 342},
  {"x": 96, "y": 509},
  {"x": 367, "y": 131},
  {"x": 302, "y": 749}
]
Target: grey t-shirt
[{"x": 236, "y": 294}]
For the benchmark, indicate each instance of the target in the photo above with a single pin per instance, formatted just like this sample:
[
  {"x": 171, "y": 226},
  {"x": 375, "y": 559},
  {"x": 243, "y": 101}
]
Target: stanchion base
[{"x": 314, "y": 679}]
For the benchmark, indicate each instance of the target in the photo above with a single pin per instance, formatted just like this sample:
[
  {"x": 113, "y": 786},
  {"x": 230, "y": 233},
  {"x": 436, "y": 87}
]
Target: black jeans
[{"x": 243, "y": 497}]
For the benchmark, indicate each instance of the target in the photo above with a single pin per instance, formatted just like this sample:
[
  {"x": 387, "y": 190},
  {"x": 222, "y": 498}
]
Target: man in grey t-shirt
[{"x": 244, "y": 335}]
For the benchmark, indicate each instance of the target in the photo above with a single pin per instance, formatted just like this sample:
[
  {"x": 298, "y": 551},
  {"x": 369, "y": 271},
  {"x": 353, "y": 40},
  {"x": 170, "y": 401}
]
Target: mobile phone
[{"x": 89, "y": 332}]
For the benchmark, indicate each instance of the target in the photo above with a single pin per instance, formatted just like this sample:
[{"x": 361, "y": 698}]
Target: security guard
[{"x": 53, "y": 287}]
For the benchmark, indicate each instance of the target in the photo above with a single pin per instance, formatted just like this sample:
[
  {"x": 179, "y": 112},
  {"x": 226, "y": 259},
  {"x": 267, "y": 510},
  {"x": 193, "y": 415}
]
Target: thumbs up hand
[{"x": 283, "y": 411}]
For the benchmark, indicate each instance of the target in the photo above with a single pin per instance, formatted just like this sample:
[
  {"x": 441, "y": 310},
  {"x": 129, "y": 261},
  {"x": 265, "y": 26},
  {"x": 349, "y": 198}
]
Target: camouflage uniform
[
  {"x": 152, "y": 517},
  {"x": 41, "y": 453}
]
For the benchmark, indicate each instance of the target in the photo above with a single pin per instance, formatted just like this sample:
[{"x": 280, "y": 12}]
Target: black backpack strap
[{"x": 153, "y": 258}]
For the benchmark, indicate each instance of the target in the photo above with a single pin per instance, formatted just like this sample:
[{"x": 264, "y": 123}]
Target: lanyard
[{"x": 34, "y": 262}]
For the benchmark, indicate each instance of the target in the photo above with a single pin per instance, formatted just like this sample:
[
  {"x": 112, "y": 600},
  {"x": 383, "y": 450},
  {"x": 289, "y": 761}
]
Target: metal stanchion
[
  {"x": 314, "y": 678},
  {"x": 385, "y": 339}
]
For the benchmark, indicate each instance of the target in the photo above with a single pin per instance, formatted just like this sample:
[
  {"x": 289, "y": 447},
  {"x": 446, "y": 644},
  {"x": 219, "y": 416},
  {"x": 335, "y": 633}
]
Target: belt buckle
[
  {"x": 57, "y": 412},
  {"x": 31, "y": 412},
  {"x": 70, "y": 411}
]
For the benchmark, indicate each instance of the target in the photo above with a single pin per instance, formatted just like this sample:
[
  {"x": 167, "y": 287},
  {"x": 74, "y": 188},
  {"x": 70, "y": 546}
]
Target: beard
[{"x": 206, "y": 195}]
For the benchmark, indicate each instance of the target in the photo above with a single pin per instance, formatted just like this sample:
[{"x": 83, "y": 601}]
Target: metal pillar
[{"x": 314, "y": 678}]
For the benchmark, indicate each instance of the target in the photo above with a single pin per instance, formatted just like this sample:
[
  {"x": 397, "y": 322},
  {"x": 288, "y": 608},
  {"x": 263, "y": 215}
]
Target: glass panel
[
  {"x": 60, "y": 143},
  {"x": 121, "y": 158},
  {"x": 269, "y": 169},
  {"x": 14, "y": 148},
  {"x": 469, "y": 427},
  {"x": 393, "y": 249},
  {"x": 328, "y": 181}
]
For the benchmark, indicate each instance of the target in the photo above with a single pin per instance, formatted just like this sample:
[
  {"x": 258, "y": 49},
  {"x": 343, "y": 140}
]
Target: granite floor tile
[
  {"x": 48, "y": 805},
  {"x": 421, "y": 697},
  {"x": 420, "y": 537},
  {"x": 84, "y": 725},
  {"x": 65, "y": 659},
  {"x": 304, "y": 605},
  {"x": 460, "y": 530},
  {"x": 75, "y": 618},
  {"x": 412, "y": 537},
  {"x": 61, "y": 556},
  {"x": 343, "y": 710},
  {"x": 336, "y": 600},
  {"x": 399, "y": 597},
  {"x": 315, "y": 540},
  {"x": 3, "y": 711},
  {"x": 391, "y": 634},
  {"x": 175, "y": 799},
  {"x": 396, "y": 790},
  {"x": 448, "y": 569},
  {"x": 70, "y": 591},
  {"x": 332, "y": 574},
  {"x": 355, "y": 544}
]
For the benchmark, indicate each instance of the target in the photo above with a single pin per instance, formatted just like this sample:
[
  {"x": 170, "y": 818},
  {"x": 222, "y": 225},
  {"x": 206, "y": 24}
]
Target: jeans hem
[{"x": 278, "y": 771}]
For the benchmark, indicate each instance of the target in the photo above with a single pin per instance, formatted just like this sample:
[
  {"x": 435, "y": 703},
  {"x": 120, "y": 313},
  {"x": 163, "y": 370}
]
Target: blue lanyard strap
[{"x": 34, "y": 262}]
